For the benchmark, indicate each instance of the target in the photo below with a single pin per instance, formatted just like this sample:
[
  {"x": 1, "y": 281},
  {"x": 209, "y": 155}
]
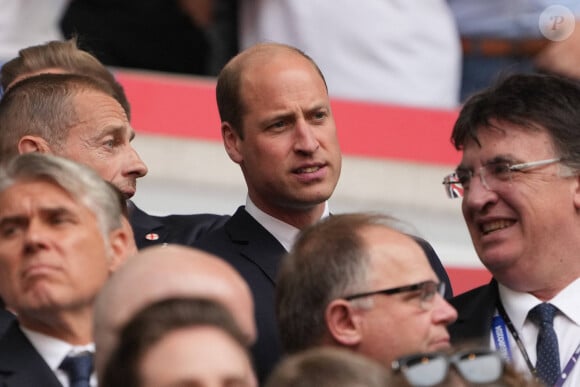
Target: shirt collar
[
  {"x": 54, "y": 350},
  {"x": 283, "y": 232},
  {"x": 518, "y": 304}
]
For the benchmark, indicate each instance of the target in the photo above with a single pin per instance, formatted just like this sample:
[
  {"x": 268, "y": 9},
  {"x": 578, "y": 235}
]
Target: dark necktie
[
  {"x": 548, "y": 363},
  {"x": 78, "y": 369}
]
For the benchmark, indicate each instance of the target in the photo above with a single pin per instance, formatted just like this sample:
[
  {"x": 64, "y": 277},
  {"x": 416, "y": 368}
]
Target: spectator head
[
  {"x": 61, "y": 237},
  {"x": 60, "y": 57},
  {"x": 521, "y": 154},
  {"x": 329, "y": 367},
  {"x": 72, "y": 116},
  {"x": 162, "y": 272},
  {"x": 277, "y": 124},
  {"x": 463, "y": 366},
  {"x": 180, "y": 341},
  {"x": 350, "y": 280}
]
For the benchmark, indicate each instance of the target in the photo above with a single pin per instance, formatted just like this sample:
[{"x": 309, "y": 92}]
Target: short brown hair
[
  {"x": 63, "y": 55},
  {"x": 153, "y": 323},
  {"x": 43, "y": 106}
]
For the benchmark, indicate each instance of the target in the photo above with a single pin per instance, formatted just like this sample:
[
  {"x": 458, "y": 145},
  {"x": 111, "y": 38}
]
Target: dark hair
[
  {"x": 328, "y": 260},
  {"x": 43, "y": 106},
  {"x": 148, "y": 326},
  {"x": 228, "y": 89},
  {"x": 62, "y": 55},
  {"x": 329, "y": 367},
  {"x": 531, "y": 101}
]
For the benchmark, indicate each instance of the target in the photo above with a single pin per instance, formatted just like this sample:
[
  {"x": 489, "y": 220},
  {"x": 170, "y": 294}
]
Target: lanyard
[{"x": 501, "y": 341}]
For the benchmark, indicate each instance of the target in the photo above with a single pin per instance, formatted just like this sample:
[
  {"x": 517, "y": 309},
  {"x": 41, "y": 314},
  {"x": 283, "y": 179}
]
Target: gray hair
[{"x": 79, "y": 181}]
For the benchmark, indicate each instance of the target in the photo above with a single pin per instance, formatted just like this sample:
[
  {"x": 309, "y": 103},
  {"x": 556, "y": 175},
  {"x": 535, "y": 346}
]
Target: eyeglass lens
[
  {"x": 428, "y": 292},
  {"x": 432, "y": 369}
]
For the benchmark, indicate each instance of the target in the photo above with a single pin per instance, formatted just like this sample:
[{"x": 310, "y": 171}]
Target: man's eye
[
  {"x": 320, "y": 115},
  {"x": 464, "y": 177},
  {"x": 499, "y": 169},
  {"x": 7, "y": 231}
]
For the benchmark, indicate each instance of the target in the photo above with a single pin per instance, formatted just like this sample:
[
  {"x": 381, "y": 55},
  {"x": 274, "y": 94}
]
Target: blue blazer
[
  {"x": 178, "y": 229},
  {"x": 256, "y": 255},
  {"x": 20, "y": 364}
]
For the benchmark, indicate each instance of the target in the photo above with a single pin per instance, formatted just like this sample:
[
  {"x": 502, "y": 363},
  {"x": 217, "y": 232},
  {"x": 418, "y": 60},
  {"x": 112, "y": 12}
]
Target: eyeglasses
[
  {"x": 492, "y": 175},
  {"x": 429, "y": 369},
  {"x": 426, "y": 289}
]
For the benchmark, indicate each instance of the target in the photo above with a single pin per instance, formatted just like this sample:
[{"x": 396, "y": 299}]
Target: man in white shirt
[
  {"x": 61, "y": 236},
  {"x": 521, "y": 202}
]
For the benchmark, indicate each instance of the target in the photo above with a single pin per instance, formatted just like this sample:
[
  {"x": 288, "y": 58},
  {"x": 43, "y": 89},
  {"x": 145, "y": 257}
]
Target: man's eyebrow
[{"x": 13, "y": 219}]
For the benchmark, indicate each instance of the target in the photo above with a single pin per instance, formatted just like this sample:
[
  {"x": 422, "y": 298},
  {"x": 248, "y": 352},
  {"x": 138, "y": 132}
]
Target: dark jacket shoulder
[
  {"x": 178, "y": 229},
  {"x": 475, "y": 311},
  {"x": 20, "y": 364}
]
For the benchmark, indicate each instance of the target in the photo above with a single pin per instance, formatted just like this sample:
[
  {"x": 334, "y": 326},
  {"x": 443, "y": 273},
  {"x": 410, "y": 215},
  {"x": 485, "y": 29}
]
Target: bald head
[
  {"x": 230, "y": 101},
  {"x": 157, "y": 273}
]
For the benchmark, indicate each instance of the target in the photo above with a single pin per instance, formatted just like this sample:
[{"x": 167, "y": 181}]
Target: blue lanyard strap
[{"x": 501, "y": 341}]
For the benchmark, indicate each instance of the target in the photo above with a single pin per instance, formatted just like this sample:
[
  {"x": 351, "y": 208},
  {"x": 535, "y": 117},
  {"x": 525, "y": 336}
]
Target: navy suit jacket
[
  {"x": 6, "y": 319},
  {"x": 475, "y": 311},
  {"x": 177, "y": 229},
  {"x": 256, "y": 255},
  {"x": 20, "y": 364}
]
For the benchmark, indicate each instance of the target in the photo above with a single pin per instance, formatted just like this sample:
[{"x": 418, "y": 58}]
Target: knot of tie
[
  {"x": 78, "y": 369},
  {"x": 543, "y": 314},
  {"x": 548, "y": 363}
]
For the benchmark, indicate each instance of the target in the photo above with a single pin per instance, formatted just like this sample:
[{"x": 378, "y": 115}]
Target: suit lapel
[
  {"x": 148, "y": 230},
  {"x": 475, "y": 313},
  {"x": 20, "y": 363},
  {"x": 255, "y": 243}
]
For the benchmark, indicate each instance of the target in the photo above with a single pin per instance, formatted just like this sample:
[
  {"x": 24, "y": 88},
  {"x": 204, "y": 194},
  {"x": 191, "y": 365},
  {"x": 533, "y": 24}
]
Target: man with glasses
[
  {"x": 355, "y": 281},
  {"x": 518, "y": 179}
]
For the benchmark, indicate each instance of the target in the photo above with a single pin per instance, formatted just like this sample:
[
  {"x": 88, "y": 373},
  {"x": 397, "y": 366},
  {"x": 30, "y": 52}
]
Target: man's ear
[
  {"x": 343, "y": 323},
  {"x": 122, "y": 245},
  {"x": 30, "y": 143},
  {"x": 232, "y": 142},
  {"x": 577, "y": 193}
]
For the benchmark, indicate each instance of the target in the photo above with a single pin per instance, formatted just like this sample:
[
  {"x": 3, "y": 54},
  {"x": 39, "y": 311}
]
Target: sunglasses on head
[{"x": 429, "y": 369}]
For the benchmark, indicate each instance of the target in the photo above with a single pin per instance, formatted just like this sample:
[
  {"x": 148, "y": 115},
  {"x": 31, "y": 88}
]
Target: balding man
[{"x": 157, "y": 273}]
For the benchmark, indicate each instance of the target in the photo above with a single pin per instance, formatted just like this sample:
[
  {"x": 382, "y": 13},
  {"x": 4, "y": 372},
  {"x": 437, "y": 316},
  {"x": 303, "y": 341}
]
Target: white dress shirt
[
  {"x": 54, "y": 351},
  {"x": 283, "y": 232},
  {"x": 566, "y": 324}
]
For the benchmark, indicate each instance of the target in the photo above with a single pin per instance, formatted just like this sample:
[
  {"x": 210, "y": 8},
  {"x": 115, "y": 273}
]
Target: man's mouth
[
  {"x": 496, "y": 225},
  {"x": 308, "y": 169}
]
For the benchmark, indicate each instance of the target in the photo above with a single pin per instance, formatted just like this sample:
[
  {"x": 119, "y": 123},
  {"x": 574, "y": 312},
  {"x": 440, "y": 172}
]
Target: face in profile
[
  {"x": 52, "y": 250},
  {"x": 290, "y": 154},
  {"x": 201, "y": 356},
  {"x": 102, "y": 140},
  {"x": 396, "y": 260}
]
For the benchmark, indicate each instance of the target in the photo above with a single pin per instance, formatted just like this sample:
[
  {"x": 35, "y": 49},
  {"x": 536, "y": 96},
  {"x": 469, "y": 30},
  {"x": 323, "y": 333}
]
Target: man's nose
[{"x": 136, "y": 166}]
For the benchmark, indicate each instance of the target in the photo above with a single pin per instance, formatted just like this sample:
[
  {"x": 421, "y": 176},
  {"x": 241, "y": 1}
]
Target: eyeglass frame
[
  {"x": 453, "y": 179},
  {"x": 439, "y": 288},
  {"x": 402, "y": 363}
]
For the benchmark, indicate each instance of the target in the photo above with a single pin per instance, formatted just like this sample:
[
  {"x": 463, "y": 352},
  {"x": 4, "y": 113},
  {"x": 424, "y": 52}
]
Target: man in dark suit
[
  {"x": 277, "y": 124},
  {"x": 61, "y": 237},
  {"x": 519, "y": 181},
  {"x": 122, "y": 167}
]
